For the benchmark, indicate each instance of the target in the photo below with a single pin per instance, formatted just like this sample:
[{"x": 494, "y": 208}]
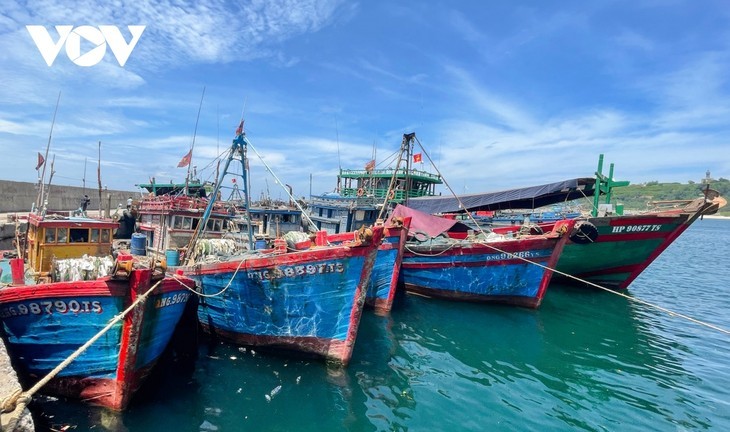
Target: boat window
[
  {"x": 210, "y": 225},
  {"x": 95, "y": 235},
  {"x": 79, "y": 235},
  {"x": 156, "y": 219},
  {"x": 177, "y": 222},
  {"x": 218, "y": 225},
  {"x": 195, "y": 221},
  {"x": 186, "y": 223},
  {"x": 62, "y": 235},
  {"x": 50, "y": 235},
  {"x": 360, "y": 215},
  {"x": 105, "y": 236}
]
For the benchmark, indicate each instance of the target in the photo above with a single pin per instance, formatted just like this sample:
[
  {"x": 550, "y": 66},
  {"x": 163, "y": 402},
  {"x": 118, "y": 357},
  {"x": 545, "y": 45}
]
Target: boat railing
[{"x": 388, "y": 172}]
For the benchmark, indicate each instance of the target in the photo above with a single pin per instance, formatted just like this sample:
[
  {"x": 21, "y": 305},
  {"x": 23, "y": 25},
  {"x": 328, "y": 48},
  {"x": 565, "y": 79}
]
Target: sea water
[{"x": 585, "y": 360}]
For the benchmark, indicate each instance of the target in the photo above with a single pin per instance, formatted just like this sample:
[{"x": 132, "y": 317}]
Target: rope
[
  {"x": 200, "y": 294},
  {"x": 23, "y": 398},
  {"x": 644, "y": 302}
]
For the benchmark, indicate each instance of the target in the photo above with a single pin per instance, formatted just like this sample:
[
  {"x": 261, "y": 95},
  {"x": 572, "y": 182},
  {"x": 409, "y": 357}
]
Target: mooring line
[{"x": 21, "y": 399}]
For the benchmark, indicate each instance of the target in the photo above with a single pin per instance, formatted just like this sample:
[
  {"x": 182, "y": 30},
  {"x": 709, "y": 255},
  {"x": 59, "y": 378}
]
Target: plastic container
[
  {"x": 139, "y": 244},
  {"x": 172, "y": 257},
  {"x": 17, "y": 270}
]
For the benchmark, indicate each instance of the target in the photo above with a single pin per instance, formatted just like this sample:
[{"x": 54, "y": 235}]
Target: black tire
[{"x": 584, "y": 232}]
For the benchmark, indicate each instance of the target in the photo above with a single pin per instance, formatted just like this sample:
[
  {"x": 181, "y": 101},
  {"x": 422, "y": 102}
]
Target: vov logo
[{"x": 100, "y": 37}]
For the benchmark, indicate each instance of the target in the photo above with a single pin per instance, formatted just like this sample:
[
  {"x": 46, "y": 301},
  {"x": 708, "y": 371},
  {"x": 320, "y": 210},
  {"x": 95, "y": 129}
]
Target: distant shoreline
[{"x": 716, "y": 217}]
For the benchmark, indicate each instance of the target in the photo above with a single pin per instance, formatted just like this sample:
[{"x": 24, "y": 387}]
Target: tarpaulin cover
[
  {"x": 523, "y": 198},
  {"x": 431, "y": 225}
]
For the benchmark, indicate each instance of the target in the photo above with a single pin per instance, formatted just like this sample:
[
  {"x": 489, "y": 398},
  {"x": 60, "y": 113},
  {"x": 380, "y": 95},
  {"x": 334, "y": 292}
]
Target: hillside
[{"x": 635, "y": 197}]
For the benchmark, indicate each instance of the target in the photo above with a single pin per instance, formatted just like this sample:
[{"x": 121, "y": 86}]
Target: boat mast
[
  {"x": 42, "y": 179},
  {"x": 238, "y": 147},
  {"x": 604, "y": 185},
  {"x": 192, "y": 144}
]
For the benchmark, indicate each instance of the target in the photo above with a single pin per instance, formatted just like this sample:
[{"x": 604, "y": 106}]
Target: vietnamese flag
[
  {"x": 417, "y": 158},
  {"x": 185, "y": 161}
]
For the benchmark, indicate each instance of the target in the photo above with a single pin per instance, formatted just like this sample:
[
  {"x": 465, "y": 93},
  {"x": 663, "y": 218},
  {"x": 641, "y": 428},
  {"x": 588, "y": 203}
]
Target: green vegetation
[{"x": 636, "y": 196}]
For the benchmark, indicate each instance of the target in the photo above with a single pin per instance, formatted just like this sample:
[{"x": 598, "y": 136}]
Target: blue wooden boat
[
  {"x": 384, "y": 279},
  {"x": 45, "y": 321},
  {"x": 308, "y": 300},
  {"x": 464, "y": 266}
]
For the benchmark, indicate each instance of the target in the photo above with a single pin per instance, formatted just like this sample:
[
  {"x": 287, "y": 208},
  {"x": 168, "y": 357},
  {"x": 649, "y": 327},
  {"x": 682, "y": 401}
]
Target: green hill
[{"x": 636, "y": 197}]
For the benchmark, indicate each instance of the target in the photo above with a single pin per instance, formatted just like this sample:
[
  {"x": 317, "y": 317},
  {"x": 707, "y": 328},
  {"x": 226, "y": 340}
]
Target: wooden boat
[
  {"x": 361, "y": 193},
  {"x": 308, "y": 300},
  {"x": 168, "y": 219},
  {"x": 607, "y": 247},
  {"x": 613, "y": 250},
  {"x": 384, "y": 279},
  {"x": 441, "y": 262},
  {"x": 72, "y": 289}
]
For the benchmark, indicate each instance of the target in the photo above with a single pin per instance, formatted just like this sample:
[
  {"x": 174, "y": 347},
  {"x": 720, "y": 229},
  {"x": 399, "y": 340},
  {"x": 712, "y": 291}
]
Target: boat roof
[
  {"x": 57, "y": 220},
  {"x": 194, "y": 189},
  {"x": 522, "y": 198}
]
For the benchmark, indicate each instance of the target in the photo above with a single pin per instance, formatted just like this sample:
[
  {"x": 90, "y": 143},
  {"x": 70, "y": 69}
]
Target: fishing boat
[
  {"x": 169, "y": 215},
  {"x": 68, "y": 292},
  {"x": 607, "y": 247},
  {"x": 361, "y": 194},
  {"x": 444, "y": 258},
  {"x": 384, "y": 279},
  {"x": 307, "y": 299}
]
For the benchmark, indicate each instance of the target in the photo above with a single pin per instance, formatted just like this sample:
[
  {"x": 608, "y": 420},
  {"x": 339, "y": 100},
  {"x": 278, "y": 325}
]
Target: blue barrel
[
  {"x": 172, "y": 257},
  {"x": 260, "y": 244},
  {"x": 139, "y": 244}
]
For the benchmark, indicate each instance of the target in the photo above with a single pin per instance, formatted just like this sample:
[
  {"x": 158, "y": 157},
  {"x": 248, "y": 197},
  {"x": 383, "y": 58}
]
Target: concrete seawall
[{"x": 20, "y": 196}]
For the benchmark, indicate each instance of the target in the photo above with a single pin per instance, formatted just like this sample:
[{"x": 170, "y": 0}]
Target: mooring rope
[
  {"x": 20, "y": 400},
  {"x": 644, "y": 302},
  {"x": 200, "y": 294}
]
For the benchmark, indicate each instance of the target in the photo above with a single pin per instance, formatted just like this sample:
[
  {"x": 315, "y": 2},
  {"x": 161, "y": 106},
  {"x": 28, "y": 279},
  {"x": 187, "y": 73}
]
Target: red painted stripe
[
  {"x": 99, "y": 287},
  {"x": 255, "y": 262}
]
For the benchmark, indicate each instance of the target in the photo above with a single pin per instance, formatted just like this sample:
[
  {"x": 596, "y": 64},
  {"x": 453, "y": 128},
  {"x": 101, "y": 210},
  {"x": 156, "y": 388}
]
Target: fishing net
[{"x": 84, "y": 268}]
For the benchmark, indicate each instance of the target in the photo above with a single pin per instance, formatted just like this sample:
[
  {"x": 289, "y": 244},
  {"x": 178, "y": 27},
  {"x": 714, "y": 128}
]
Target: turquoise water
[{"x": 586, "y": 360}]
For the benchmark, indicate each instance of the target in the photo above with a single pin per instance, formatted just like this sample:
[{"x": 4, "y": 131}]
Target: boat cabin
[
  {"x": 169, "y": 222},
  {"x": 59, "y": 237}
]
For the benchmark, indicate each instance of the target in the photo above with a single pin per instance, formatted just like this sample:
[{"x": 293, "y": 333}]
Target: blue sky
[{"x": 500, "y": 94}]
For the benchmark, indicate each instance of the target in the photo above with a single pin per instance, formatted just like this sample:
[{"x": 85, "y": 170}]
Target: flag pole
[{"x": 42, "y": 179}]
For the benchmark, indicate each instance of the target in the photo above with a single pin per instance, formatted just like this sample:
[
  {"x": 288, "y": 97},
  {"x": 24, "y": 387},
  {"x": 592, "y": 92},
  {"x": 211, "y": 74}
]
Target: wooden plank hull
[
  {"x": 43, "y": 324},
  {"x": 486, "y": 272},
  {"x": 625, "y": 247},
  {"x": 308, "y": 301},
  {"x": 386, "y": 270}
]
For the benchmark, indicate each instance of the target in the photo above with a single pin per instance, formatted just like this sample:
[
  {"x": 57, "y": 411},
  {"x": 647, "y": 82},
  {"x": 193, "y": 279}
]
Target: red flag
[
  {"x": 41, "y": 160},
  {"x": 239, "y": 131},
  {"x": 185, "y": 161},
  {"x": 417, "y": 158},
  {"x": 370, "y": 165}
]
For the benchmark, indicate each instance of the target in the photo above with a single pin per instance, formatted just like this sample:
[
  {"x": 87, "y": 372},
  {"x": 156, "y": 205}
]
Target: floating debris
[
  {"x": 208, "y": 426},
  {"x": 273, "y": 393}
]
